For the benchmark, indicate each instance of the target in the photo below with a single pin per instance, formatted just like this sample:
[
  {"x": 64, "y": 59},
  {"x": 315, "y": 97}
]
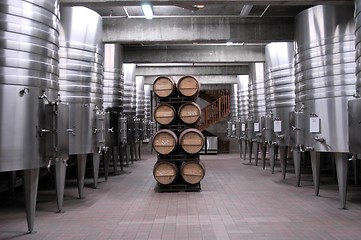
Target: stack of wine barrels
[{"x": 177, "y": 141}]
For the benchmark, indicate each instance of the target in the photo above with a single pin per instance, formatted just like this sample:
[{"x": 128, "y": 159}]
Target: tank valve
[
  {"x": 96, "y": 130},
  {"x": 64, "y": 162},
  {"x": 24, "y": 91},
  {"x": 48, "y": 165},
  {"x": 356, "y": 94},
  {"x": 103, "y": 149},
  {"x": 320, "y": 140},
  {"x": 71, "y": 130},
  {"x": 303, "y": 107},
  {"x": 281, "y": 136},
  {"x": 300, "y": 149},
  {"x": 43, "y": 96},
  {"x": 43, "y": 130},
  {"x": 309, "y": 148},
  {"x": 111, "y": 130}
]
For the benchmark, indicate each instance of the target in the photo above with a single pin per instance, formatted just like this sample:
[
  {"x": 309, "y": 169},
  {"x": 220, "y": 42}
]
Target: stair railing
[{"x": 214, "y": 112}]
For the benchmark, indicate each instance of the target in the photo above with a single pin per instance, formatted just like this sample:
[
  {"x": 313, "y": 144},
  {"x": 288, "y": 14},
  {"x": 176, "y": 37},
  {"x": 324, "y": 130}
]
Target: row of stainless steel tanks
[
  {"x": 63, "y": 95},
  {"x": 305, "y": 96}
]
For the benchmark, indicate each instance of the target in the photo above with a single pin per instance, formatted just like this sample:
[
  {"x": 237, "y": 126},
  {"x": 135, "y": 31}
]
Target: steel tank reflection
[
  {"x": 113, "y": 89},
  {"x": 279, "y": 89},
  {"x": 81, "y": 73},
  {"x": 325, "y": 80}
]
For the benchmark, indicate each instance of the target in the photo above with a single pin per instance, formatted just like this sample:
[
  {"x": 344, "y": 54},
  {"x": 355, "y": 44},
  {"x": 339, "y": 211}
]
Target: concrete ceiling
[{"x": 182, "y": 32}]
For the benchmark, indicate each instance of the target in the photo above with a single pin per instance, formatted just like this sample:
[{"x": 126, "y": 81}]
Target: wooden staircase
[{"x": 214, "y": 112}]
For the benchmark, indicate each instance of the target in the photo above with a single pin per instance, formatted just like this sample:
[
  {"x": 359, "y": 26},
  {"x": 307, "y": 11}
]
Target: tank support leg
[
  {"x": 315, "y": 163},
  {"x": 30, "y": 181},
  {"x": 297, "y": 164},
  {"x": 250, "y": 145},
  {"x": 115, "y": 159},
  {"x": 256, "y": 147},
  {"x": 105, "y": 157},
  {"x": 263, "y": 154},
  {"x": 12, "y": 183},
  {"x": 96, "y": 162},
  {"x": 272, "y": 156},
  {"x": 132, "y": 151},
  {"x": 60, "y": 172},
  {"x": 356, "y": 170},
  {"x": 283, "y": 160},
  {"x": 140, "y": 149},
  {"x": 240, "y": 148},
  {"x": 122, "y": 150},
  {"x": 341, "y": 168},
  {"x": 81, "y": 164},
  {"x": 244, "y": 149}
]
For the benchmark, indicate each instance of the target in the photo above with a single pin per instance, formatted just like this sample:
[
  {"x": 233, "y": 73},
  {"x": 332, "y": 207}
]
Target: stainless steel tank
[
  {"x": 325, "y": 81},
  {"x": 28, "y": 66},
  {"x": 129, "y": 106},
  {"x": 81, "y": 73},
  {"x": 113, "y": 89},
  {"x": 354, "y": 106},
  {"x": 279, "y": 90},
  {"x": 140, "y": 107},
  {"x": 243, "y": 105},
  {"x": 257, "y": 101},
  {"x": 243, "y": 112},
  {"x": 31, "y": 115},
  {"x": 234, "y": 110},
  {"x": 280, "y": 99},
  {"x": 324, "y": 75},
  {"x": 147, "y": 111},
  {"x": 140, "y": 97}
]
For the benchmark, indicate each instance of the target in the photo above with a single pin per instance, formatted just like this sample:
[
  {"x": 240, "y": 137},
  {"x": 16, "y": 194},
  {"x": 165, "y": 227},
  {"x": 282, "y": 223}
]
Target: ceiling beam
[
  {"x": 197, "y": 30},
  {"x": 207, "y": 2},
  {"x": 202, "y": 79},
  {"x": 194, "y": 54},
  {"x": 192, "y": 70}
]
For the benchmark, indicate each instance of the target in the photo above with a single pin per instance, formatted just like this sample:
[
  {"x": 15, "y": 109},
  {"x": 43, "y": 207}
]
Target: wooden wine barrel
[
  {"x": 164, "y": 114},
  {"x": 188, "y": 86},
  {"x": 164, "y": 87},
  {"x": 191, "y": 140},
  {"x": 192, "y": 171},
  {"x": 165, "y": 172},
  {"x": 189, "y": 113},
  {"x": 164, "y": 141}
]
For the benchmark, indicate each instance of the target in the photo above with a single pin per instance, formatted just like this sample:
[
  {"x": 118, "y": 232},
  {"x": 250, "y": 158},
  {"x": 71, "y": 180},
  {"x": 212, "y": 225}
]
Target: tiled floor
[{"x": 238, "y": 201}]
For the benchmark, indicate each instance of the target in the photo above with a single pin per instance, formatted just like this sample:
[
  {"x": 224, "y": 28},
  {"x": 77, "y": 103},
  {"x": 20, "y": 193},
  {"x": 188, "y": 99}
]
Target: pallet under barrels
[{"x": 178, "y": 142}]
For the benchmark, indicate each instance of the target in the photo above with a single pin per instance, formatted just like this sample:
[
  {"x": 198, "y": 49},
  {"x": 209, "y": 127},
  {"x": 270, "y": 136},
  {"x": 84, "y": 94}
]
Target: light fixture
[
  {"x": 199, "y": 6},
  {"x": 147, "y": 10},
  {"x": 246, "y": 10}
]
